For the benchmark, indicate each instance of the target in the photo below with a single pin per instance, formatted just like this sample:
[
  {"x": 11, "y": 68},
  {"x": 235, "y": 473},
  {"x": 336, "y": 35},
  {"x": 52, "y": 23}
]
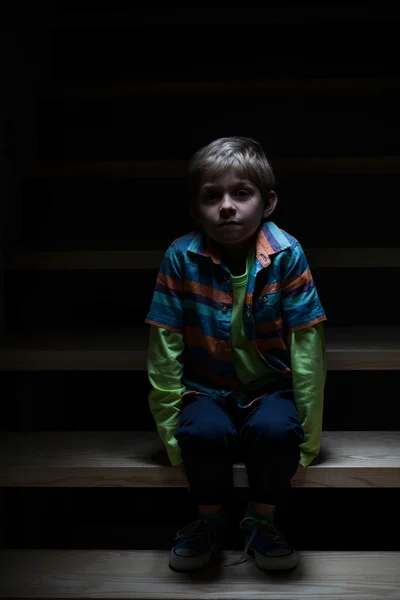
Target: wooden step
[
  {"x": 145, "y": 574},
  {"x": 273, "y": 15},
  {"x": 151, "y": 259},
  {"x": 331, "y": 87},
  {"x": 362, "y": 459},
  {"x": 172, "y": 169},
  {"x": 348, "y": 348}
]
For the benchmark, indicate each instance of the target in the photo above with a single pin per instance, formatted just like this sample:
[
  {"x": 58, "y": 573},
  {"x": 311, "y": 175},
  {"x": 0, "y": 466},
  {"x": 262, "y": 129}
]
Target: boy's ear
[{"x": 270, "y": 203}]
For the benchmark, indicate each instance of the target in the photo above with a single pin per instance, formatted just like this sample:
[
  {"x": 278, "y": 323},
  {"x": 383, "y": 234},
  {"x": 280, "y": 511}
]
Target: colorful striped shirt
[{"x": 193, "y": 296}]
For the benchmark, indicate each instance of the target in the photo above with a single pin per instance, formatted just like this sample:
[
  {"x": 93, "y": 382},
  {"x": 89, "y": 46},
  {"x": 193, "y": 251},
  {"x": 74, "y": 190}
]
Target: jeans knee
[
  {"x": 274, "y": 432},
  {"x": 207, "y": 439}
]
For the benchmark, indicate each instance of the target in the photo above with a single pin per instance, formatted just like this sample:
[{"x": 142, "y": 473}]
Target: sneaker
[
  {"x": 197, "y": 543},
  {"x": 266, "y": 546}
]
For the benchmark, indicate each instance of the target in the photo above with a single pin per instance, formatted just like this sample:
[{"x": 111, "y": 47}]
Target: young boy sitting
[{"x": 236, "y": 356}]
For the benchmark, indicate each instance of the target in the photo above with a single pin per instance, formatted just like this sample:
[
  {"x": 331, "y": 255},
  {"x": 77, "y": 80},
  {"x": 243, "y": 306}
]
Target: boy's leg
[
  {"x": 263, "y": 509},
  {"x": 208, "y": 440},
  {"x": 269, "y": 438},
  {"x": 210, "y": 509}
]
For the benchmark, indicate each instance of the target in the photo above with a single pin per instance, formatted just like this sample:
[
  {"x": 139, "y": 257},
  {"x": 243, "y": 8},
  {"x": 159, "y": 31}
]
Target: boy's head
[{"x": 230, "y": 189}]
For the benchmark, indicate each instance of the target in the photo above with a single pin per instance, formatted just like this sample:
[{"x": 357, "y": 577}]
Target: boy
[{"x": 236, "y": 355}]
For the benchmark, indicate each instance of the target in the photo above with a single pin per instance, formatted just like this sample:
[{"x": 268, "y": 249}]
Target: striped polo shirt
[{"x": 193, "y": 296}]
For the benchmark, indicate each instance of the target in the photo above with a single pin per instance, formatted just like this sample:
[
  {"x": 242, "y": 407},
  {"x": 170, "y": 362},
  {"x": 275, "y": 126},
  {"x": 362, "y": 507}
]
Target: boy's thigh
[
  {"x": 274, "y": 414},
  {"x": 206, "y": 417}
]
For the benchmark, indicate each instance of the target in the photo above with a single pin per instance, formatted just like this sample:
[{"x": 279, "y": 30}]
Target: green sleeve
[
  {"x": 308, "y": 363},
  {"x": 165, "y": 369}
]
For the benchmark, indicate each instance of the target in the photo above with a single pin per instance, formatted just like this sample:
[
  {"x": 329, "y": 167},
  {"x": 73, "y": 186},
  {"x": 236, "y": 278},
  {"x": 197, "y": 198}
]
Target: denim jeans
[{"x": 215, "y": 433}]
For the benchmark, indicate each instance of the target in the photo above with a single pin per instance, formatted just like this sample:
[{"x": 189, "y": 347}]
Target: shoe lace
[
  {"x": 260, "y": 527},
  {"x": 197, "y": 530}
]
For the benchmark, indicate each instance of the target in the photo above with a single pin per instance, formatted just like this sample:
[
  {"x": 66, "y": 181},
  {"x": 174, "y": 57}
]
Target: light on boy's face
[{"x": 230, "y": 208}]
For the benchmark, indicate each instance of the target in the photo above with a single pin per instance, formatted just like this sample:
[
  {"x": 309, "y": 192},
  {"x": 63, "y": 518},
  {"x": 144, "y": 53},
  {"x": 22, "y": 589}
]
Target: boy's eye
[
  {"x": 213, "y": 196},
  {"x": 210, "y": 196}
]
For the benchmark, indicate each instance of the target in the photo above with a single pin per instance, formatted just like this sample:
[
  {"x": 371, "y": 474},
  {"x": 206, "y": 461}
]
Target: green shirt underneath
[{"x": 251, "y": 369}]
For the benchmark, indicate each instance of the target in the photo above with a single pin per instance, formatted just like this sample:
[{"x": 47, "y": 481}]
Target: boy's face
[{"x": 230, "y": 208}]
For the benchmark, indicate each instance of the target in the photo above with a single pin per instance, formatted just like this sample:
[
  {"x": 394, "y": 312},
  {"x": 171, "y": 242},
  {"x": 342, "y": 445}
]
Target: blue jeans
[{"x": 214, "y": 434}]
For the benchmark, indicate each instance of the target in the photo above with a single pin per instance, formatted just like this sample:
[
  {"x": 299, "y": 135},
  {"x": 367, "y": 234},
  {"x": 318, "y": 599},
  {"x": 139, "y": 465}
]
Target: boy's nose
[{"x": 226, "y": 203}]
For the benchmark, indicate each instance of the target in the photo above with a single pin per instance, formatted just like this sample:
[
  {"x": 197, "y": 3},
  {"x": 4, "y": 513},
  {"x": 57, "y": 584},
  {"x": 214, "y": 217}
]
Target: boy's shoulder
[
  {"x": 181, "y": 244},
  {"x": 182, "y": 247},
  {"x": 278, "y": 237}
]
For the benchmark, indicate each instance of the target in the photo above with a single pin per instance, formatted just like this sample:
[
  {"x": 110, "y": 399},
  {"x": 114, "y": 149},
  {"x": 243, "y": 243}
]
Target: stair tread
[
  {"x": 348, "y": 348},
  {"x": 146, "y": 574},
  {"x": 207, "y": 15},
  {"x": 138, "y": 459},
  {"x": 100, "y": 89}
]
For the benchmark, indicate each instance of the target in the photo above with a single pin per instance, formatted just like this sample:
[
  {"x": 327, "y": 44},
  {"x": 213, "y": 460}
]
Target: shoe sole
[
  {"x": 181, "y": 564},
  {"x": 276, "y": 563}
]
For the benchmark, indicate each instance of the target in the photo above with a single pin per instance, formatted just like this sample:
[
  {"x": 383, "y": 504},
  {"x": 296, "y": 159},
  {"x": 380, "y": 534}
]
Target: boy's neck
[
  {"x": 236, "y": 258},
  {"x": 237, "y": 268}
]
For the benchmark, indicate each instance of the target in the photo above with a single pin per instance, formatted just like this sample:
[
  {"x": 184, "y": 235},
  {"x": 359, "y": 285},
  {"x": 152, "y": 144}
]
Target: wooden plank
[
  {"x": 5, "y": 519},
  {"x": 247, "y": 15},
  {"x": 347, "y": 348},
  {"x": 341, "y": 258},
  {"x": 362, "y": 459},
  {"x": 102, "y": 90},
  {"x": 363, "y": 348},
  {"x": 145, "y": 574},
  {"x": 121, "y": 350},
  {"x": 99, "y": 259},
  {"x": 2, "y": 294},
  {"x": 151, "y": 259},
  {"x": 172, "y": 169}
]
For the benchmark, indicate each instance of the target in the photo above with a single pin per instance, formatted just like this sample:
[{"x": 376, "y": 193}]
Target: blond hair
[{"x": 244, "y": 155}]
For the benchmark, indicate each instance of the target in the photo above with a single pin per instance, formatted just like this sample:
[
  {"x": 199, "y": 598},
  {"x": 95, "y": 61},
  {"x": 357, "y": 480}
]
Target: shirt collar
[{"x": 270, "y": 240}]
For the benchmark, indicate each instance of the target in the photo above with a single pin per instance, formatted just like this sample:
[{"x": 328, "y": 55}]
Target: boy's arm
[
  {"x": 164, "y": 365},
  {"x": 165, "y": 369},
  {"x": 303, "y": 315},
  {"x": 308, "y": 362}
]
